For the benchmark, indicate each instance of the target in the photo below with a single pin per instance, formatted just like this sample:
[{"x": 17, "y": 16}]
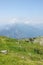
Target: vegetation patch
[{"x": 21, "y": 52}]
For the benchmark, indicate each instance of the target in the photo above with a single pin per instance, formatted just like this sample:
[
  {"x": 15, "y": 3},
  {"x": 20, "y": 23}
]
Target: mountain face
[{"x": 21, "y": 31}]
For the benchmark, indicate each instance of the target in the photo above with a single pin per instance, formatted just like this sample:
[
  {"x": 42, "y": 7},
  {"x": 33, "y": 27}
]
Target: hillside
[{"x": 21, "y": 51}]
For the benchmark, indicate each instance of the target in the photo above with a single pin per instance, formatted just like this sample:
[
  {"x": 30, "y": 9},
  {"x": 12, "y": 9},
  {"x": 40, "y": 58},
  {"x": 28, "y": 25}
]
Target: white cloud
[
  {"x": 8, "y": 21},
  {"x": 26, "y": 21},
  {"x": 33, "y": 21},
  {"x": 12, "y": 20}
]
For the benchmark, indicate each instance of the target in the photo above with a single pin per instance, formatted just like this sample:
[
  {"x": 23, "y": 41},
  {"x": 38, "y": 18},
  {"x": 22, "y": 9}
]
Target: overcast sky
[{"x": 17, "y": 11}]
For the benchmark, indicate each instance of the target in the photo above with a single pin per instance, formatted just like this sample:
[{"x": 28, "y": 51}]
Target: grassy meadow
[{"x": 21, "y": 51}]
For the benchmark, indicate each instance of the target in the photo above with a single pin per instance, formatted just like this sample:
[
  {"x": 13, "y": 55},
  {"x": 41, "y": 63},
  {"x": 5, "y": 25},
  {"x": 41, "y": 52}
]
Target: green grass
[{"x": 20, "y": 52}]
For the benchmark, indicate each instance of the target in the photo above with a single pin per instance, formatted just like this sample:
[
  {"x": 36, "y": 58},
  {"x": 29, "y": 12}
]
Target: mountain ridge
[{"x": 21, "y": 31}]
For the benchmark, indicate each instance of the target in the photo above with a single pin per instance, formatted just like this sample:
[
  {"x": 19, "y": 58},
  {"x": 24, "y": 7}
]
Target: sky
[{"x": 21, "y": 11}]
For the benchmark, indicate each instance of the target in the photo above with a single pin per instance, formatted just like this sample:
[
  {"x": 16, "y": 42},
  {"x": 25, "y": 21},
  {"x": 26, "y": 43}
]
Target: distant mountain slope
[{"x": 21, "y": 31}]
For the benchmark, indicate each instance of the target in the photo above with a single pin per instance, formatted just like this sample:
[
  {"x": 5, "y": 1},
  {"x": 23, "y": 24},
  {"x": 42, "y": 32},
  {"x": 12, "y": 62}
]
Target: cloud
[
  {"x": 8, "y": 21},
  {"x": 12, "y": 20},
  {"x": 33, "y": 21},
  {"x": 26, "y": 21}
]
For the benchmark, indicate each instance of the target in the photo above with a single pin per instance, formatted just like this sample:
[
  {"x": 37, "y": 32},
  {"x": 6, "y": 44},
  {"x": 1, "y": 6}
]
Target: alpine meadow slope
[{"x": 21, "y": 51}]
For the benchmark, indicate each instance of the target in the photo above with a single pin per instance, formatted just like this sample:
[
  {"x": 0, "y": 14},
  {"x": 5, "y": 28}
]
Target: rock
[
  {"x": 4, "y": 51},
  {"x": 22, "y": 57}
]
